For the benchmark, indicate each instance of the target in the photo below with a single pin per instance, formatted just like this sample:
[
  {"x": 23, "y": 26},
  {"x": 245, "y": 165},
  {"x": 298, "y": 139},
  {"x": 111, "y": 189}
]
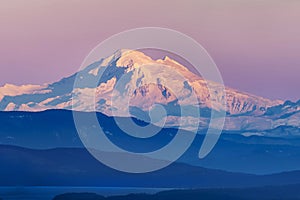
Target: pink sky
[{"x": 256, "y": 44}]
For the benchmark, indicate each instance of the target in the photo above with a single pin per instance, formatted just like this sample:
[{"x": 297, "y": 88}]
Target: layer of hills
[{"x": 55, "y": 129}]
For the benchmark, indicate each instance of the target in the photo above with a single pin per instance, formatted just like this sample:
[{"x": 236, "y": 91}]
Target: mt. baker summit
[
  {"x": 147, "y": 85},
  {"x": 130, "y": 83}
]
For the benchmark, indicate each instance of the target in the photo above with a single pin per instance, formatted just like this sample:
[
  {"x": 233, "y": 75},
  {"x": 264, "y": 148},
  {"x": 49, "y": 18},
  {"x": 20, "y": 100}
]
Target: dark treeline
[{"x": 290, "y": 192}]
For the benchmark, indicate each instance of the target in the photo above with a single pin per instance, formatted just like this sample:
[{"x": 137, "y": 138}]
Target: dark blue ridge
[{"x": 233, "y": 152}]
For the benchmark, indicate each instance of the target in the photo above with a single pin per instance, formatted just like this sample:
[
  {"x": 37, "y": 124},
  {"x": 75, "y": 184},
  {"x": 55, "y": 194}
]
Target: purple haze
[{"x": 255, "y": 44}]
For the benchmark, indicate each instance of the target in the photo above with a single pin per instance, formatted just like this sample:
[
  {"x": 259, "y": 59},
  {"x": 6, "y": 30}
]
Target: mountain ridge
[
  {"x": 235, "y": 151},
  {"x": 76, "y": 167}
]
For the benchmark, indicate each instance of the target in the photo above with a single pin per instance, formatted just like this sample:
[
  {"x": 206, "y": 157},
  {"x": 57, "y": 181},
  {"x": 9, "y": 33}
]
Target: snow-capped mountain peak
[
  {"x": 146, "y": 81},
  {"x": 127, "y": 58}
]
